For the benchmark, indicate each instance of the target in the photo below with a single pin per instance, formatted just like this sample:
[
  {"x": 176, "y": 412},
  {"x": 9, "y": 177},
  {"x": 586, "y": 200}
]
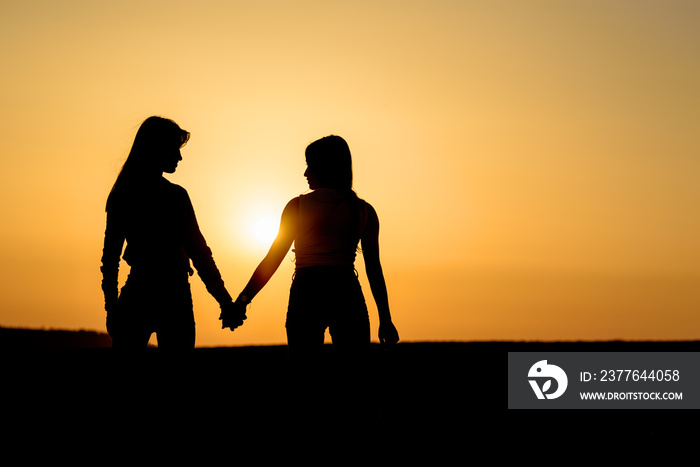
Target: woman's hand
[
  {"x": 232, "y": 315},
  {"x": 388, "y": 334},
  {"x": 110, "y": 324}
]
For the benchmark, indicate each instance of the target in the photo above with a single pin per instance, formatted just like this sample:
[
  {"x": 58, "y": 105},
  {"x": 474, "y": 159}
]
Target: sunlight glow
[{"x": 264, "y": 230}]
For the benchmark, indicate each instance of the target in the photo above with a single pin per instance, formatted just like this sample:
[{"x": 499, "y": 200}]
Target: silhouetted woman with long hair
[
  {"x": 156, "y": 220},
  {"x": 325, "y": 227}
]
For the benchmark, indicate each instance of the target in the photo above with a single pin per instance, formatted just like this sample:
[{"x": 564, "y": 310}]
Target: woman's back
[{"x": 329, "y": 226}]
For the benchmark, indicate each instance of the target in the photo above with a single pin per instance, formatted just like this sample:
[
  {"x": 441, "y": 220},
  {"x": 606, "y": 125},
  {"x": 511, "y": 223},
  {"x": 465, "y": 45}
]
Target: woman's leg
[
  {"x": 348, "y": 319},
  {"x": 304, "y": 325},
  {"x": 130, "y": 328},
  {"x": 174, "y": 315}
]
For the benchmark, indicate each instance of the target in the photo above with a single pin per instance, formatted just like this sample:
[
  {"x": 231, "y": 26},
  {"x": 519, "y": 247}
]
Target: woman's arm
[
  {"x": 111, "y": 256},
  {"x": 281, "y": 245},
  {"x": 370, "y": 251},
  {"x": 198, "y": 251}
]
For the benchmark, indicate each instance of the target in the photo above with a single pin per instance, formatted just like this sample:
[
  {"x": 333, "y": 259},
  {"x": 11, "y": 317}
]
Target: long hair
[
  {"x": 154, "y": 136},
  {"x": 330, "y": 161}
]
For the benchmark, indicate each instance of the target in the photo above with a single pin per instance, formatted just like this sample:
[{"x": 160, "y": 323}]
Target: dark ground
[{"x": 419, "y": 399}]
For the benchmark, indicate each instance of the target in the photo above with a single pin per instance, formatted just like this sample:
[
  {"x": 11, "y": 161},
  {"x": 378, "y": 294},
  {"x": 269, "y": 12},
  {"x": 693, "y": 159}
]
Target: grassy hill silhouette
[
  {"x": 431, "y": 393},
  {"x": 18, "y": 338}
]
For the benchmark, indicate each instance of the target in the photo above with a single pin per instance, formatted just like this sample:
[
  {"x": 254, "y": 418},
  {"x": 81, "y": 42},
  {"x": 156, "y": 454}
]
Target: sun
[
  {"x": 258, "y": 223},
  {"x": 264, "y": 229}
]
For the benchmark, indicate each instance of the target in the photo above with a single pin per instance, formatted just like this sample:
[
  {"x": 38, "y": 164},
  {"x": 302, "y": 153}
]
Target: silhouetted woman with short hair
[
  {"x": 157, "y": 221},
  {"x": 325, "y": 227}
]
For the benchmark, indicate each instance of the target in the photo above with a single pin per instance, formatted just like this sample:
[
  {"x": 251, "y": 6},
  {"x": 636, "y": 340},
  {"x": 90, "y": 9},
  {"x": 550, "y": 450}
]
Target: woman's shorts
[
  {"x": 155, "y": 303},
  {"x": 327, "y": 297}
]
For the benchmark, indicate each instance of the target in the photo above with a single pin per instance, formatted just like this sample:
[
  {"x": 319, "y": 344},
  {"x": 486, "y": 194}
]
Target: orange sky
[{"x": 534, "y": 164}]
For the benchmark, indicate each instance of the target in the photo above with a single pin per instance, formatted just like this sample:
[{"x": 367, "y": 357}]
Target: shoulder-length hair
[{"x": 330, "y": 161}]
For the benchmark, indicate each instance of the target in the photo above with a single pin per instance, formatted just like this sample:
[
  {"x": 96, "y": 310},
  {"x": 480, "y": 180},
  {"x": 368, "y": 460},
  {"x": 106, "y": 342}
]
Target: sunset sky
[{"x": 534, "y": 164}]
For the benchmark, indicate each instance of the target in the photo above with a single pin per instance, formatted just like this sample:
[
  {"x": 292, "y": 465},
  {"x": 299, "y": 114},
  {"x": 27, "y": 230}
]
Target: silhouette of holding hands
[
  {"x": 325, "y": 227},
  {"x": 156, "y": 220}
]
